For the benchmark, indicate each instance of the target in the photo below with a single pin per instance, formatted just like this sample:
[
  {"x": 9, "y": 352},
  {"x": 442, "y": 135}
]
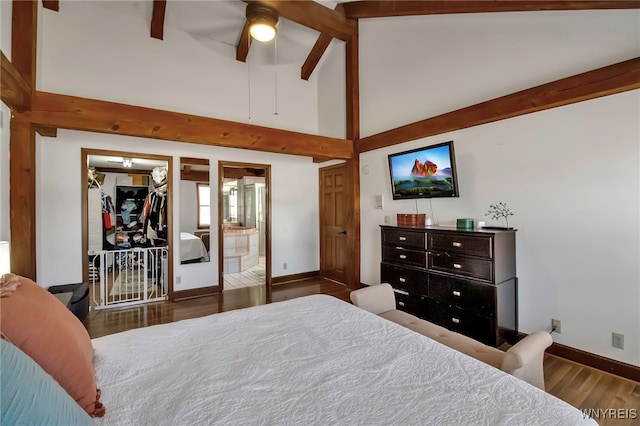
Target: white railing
[{"x": 128, "y": 277}]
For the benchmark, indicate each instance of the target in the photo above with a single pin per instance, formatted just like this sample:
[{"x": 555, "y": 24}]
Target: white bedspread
[
  {"x": 311, "y": 360},
  {"x": 192, "y": 248}
]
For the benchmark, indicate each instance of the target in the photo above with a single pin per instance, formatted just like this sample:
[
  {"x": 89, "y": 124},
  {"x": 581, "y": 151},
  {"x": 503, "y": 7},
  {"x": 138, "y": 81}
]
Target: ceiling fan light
[
  {"x": 262, "y": 32},
  {"x": 262, "y": 21}
]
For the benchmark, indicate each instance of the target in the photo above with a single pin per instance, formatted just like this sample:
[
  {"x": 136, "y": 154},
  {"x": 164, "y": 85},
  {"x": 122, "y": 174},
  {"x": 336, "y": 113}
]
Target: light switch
[{"x": 378, "y": 203}]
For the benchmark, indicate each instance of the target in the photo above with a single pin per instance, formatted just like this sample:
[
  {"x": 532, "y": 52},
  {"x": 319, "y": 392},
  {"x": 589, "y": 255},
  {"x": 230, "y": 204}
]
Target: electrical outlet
[
  {"x": 178, "y": 279},
  {"x": 387, "y": 220},
  {"x": 617, "y": 340},
  {"x": 556, "y": 326},
  {"x": 284, "y": 266}
]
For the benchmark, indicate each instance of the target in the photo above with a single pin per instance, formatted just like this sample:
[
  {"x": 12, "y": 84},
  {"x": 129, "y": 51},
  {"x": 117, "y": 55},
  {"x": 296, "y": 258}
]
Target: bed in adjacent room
[
  {"x": 310, "y": 360},
  {"x": 192, "y": 249}
]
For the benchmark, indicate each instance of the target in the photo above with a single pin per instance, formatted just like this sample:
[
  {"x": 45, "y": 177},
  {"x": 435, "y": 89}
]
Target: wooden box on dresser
[{"x": 464, "y": 280}]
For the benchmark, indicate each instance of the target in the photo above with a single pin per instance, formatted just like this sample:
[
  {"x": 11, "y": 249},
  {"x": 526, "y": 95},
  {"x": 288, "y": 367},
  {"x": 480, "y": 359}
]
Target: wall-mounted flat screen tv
[{"x": 427, "y": 172}]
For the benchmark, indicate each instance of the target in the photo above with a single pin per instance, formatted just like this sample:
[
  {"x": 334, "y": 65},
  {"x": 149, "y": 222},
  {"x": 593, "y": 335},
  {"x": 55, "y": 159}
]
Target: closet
[{"x": 127, "y": 222}]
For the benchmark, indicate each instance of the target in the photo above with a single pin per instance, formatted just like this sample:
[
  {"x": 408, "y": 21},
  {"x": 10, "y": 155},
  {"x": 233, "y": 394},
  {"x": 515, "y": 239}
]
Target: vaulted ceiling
[{"x": 306, "y": 28}]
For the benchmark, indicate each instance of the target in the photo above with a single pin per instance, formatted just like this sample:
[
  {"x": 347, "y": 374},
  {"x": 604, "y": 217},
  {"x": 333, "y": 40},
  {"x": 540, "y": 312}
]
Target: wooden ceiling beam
[
  {"x": 16, "y": 93},
  {"x": 194, "y": 176},
  {"x": 321, "y": 45},
  {"x": 157, "y": 19},
  {"x": 51, "y": 5},
  {"x": 382, "y": 9},
  {"x": 352, "y": 96},
  {"x": 242, "y": 51},
  {"x": 240, "y": 172},
  {"x": 123, "y": 170},
  {"x": 22, "y": 146},
  {"x": 315, "y": 55},
  {"x": 70, "y": 112},
  {"x": 24, "y": 34},
  {"x": 315, "y": 16},
  {"x": 609, "y": 80},
  {"x": 194, "y": 161}
]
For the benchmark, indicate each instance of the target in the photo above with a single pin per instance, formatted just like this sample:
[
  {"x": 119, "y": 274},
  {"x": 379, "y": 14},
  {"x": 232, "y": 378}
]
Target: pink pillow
[{"x": 36, "y": 322}]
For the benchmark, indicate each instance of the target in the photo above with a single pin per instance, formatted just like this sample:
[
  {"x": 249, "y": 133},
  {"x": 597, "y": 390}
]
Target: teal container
[{"x": 464, "y": 223}]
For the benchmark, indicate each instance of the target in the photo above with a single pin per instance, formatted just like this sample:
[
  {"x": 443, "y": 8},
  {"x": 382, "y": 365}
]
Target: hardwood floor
[
  {"x": 579, "y": 385},
  {"x": 108, "y": 321}
]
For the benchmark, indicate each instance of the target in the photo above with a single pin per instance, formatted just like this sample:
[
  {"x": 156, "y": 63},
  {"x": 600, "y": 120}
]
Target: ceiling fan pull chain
[
  {"x": 275, "y": 47},
  {"x": 249, "y": 87}
]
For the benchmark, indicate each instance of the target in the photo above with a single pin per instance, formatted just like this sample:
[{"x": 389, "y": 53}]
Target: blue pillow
[{"x": 30, "y": 396}]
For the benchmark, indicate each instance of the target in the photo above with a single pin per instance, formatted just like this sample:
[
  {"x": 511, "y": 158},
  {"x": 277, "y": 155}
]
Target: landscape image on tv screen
[{"x": 424, "y": 173}]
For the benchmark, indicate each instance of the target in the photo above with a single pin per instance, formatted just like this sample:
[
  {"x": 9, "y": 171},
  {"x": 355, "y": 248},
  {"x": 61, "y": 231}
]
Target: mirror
[
  {"x": 244, "y": 215},
  {"x": 195, "y": 211}
]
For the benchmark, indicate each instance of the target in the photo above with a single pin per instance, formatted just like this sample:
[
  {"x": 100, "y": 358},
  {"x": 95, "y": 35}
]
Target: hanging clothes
[{"x": 155, "y": 220}]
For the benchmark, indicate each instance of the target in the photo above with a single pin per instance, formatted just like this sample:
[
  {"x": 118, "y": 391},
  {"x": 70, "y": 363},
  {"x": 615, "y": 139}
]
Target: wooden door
[{"x": 333, "y": 223}]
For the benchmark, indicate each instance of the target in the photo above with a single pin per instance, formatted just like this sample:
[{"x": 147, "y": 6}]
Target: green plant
[{"x": 500, "y": 210}]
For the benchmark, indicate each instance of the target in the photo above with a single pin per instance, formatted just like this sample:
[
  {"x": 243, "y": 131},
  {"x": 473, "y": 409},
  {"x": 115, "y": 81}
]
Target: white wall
[
  {"x": 294, "y": 200},
  {"x": 570, "y": 174},
  {"x": 331, "y": 74}
]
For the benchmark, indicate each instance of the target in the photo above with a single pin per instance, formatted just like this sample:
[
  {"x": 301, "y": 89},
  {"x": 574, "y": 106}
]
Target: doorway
[
  {"x": 244, "y": 224},
  {"x": 126, "y": 227}
]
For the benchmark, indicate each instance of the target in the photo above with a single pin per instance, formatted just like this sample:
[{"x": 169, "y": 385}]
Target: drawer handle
[
  {"x": 457, "y": 266},
  {"x": 457, "y": 244},
  {"x": 404, "y": 293},
  {"x": 402, "y": 280},
  {"x": 455, "y": 320},
  {"x": 401, "y": 303},
  {"x": 402, "y": 238},
  {"x": 403, "y": 256},
  {"x": 456, "y": 293}
]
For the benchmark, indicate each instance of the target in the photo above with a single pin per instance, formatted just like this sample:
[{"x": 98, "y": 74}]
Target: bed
[
  {"x": 309, "y": 360},
  {"x": 192, "y": 249}
]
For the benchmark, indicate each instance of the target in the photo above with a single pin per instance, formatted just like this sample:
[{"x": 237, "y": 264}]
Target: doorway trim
[
  {"x": 84, "y": 164},
  {"x": 267, "y": 181}
]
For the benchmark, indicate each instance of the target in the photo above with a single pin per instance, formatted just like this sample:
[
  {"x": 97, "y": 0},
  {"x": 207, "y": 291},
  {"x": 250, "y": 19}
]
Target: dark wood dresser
[{"x": 464, "y": 280}]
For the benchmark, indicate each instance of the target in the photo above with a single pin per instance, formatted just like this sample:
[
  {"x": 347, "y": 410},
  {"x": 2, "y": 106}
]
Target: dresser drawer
[
  {"x": 404, "y": 239},
  {"x": 461, "y": 244},
  {"x": 463, "y": 294},
  {"x": 414, "y": 305},
  {"x": 404, "y": 257},
  {"x": 464, "y": 322},
  {"x": 461, "y": 265},
  {"x": 409, "y": 280}
]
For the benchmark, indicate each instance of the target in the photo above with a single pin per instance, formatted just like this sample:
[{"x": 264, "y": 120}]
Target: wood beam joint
[
  {"x": 50, "y": 132},
  {"x": 16, "y": 92}
]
